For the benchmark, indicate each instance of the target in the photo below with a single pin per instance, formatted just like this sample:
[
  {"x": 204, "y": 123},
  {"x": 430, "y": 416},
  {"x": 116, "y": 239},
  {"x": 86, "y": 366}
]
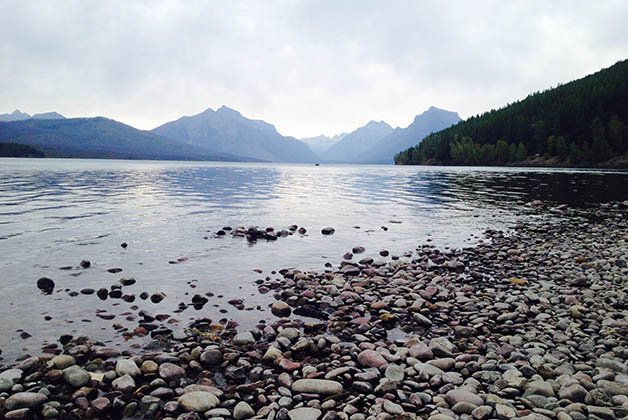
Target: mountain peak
[{"x": 226, "y": 110}]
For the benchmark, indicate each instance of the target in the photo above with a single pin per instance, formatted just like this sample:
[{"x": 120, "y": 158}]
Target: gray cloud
[{"x": 309, "y": 67}]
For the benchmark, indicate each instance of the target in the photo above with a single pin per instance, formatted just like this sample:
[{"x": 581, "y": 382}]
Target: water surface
[{"x": 55, "y": 213}]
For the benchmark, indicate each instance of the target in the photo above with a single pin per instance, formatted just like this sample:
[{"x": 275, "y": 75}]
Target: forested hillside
[{"x": 581, "y": 123}]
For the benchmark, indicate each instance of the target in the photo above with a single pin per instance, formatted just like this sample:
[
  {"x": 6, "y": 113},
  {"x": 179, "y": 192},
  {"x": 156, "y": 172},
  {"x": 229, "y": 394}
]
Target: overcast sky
[{"x": 308, "y": 67}]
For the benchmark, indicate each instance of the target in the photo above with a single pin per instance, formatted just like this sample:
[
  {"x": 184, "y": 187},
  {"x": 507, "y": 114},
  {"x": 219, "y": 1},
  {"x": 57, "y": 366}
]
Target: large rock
[
  {"x": 575, "y": 393},
  {"x": 24, "y": 400},
  {"x": 371, "y": 358},
  {"x": 243, "y": 411},
  {"x": 539, "y": 388},
  {"x": 455, "y": 396},
  {"x": 171, "y": 372},
  {"x": 317, "y": 386},
  {"x": 304, "y": 413},
  {"x": 199, "y": 401},
  {"x": 442, "y": 347},
  {"x": 421, "y": 351},
  {"x": 280, "y": 309},
  {"x": 12, "y": 375},
  {"x": 124, "y": 384},
  {"x": 243, "y": 339},
  {"x": 76, "y": 376},
  {"x": 612, "y": 388},
  {"x": 127, "y": 367},
  {"x": 63, "y": 361}
]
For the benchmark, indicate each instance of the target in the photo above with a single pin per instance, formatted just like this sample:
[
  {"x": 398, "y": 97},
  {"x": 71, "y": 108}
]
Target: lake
[{"x": 55, "y": 213}]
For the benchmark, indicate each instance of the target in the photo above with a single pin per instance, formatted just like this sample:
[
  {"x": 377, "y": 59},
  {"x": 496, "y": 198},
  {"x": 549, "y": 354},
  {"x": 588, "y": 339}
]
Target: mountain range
[
  {"x": 17, "y": 115},
  {"x": 222, "y": 134}
]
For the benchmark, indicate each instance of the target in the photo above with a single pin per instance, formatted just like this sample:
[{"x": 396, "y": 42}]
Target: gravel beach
[{"x": 531, "y": 323}]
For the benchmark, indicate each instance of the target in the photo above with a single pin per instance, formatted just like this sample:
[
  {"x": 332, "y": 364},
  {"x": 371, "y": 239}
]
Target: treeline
[
  {"x": 19, "y": 150},
  {"x": 584, "y": 122}
]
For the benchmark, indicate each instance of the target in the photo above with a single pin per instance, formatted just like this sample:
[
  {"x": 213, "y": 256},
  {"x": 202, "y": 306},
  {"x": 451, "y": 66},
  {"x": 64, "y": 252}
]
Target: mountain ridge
[{"x": 226, "y": 130}]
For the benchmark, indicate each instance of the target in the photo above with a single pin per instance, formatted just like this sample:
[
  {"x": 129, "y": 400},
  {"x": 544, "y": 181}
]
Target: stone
[
  {"x": 45, "y": 284},
  {"x": 612, "y": 388},
  {"x": 171, "y": 372},
  {"x": 76, "y": 376},
  {"x": 602, "y": 412},
  {"x": 504, "y": 412},
  {"x": 199, "y": 401},
  {"x": 462, "y": 395},
  {"x": 63, "y": 361},
  {"x": 463, "y": 407},
  {"x": 539, "y": 388},
  {"x": 482, "y": 412},
  {"x": 304, "y": 413},
  {"x": 392, "y": 408},
  {"x": 5, "y": 385},
  {"x": 394, "y": 373},
  {"x": 243, "y": 411},
  {"x": 317, "y": 386},
  {"x": 12, "y": 375},
  {"x": 21, "y": 413},
  {"x": 574, "y": 393},
  {"x": 243, "y": 339},
  {"x": 127, "y": 367},
  {"x": 280, "y": 309},
  {"x": 124, "y": 384},
  {"x": 421, "y": 320},
  {"x": 24, "y": 400},
  {"x": 371, "y": 358},
  {"x": 149, "y": 367},
  {"x": 421, "y": 351},
  {"x": 606, "y": 363},
  {"x": 211, "y": 356},
  {"x": 272, "y": 354},
  {"x": 101, "y": 404},
  {"x": 328, "y": 231},
  {"x": 442, "y": 347}
]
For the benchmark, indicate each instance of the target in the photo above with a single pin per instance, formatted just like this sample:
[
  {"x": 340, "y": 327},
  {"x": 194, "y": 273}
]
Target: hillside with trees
[{"x": 581, "y": 123}]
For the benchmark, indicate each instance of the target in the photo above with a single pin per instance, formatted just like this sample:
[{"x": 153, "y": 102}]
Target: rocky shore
[{"x": 529, "y": 324}]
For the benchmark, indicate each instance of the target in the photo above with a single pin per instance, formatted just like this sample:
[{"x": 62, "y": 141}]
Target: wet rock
[
  {"x": 101, "y": 404},
  {"x": 442, "y": 347},
  {"x": 243, "y": 411},
  {"x": 157, "y": 297},
  {"x": 328, "y": 231},
  {"x": 102, "y": 293},
  {"x": 127, "y": 281},
  {"x": 76, "y": 376},
  {"x": 211, "y": 356},
  {"x": 45, "y": 284},
  {"x": 170, "y": 372},
  {"x": 24, "y": 400},
  {"x": 127, "y": 367},
  {"x": 124, "y": 384},
  {"x": 85, "y": 264},
  {"x": 575, "y": 393},
  {"x": 461, "y": 395},
  {"x": 63, "y": 361},
  {"x": 371, "y": 358},
  {"x": 243, "y": 339},
  {"x": 280, "y": 309},
  {"x": 304, "y": 413},
  {"x": 199, "y": 401},
  {"x": 317, "y": 386}
]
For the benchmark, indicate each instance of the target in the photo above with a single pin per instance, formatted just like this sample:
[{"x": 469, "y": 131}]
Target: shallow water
[{"x": 55, "y": 213}]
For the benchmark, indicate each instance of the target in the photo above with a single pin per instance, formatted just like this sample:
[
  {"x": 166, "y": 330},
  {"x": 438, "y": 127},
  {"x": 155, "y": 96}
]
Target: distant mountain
[
  {"x": 227, "y": 131},
  {"x": 100, "y": 138},
  {"x": 357, "y": 142},
  {"x": 16, "y": 115},
  {"x": 48, "y": 116},
  {"x": 430, "y": 121},
  {"x": 319, "y": 144}
]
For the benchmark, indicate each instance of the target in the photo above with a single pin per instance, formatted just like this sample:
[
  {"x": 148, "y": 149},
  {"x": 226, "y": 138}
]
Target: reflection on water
[{"x": 54, "y": 213}]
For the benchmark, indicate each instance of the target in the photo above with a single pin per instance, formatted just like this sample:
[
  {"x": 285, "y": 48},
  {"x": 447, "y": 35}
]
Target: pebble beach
[{"x": 531, "y": 324}]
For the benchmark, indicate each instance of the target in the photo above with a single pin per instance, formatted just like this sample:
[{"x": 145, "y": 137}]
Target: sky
[{"x": 308, "y": 67}]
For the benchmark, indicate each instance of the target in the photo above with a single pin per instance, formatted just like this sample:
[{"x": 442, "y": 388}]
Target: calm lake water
[{"x": 55, "y": 213}]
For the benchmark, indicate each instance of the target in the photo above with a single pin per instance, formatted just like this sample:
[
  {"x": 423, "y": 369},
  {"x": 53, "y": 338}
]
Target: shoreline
[{"x": 532, "y": 325}]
